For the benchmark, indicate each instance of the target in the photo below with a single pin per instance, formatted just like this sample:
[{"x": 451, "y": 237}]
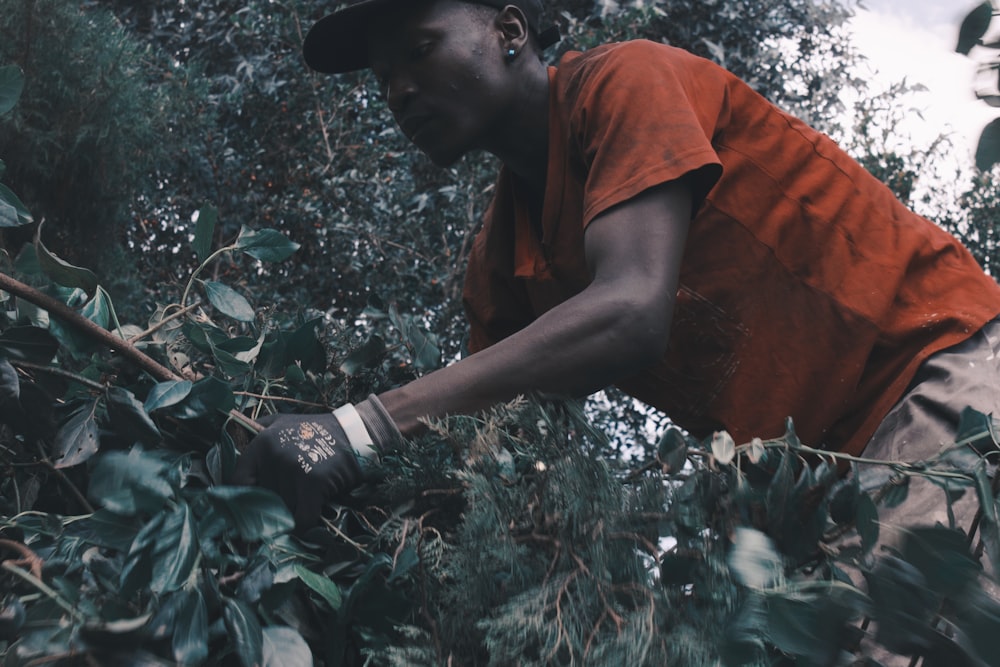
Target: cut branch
[
  {"x": 123, "y": 347},
  {"x": 70, "y": 316}
]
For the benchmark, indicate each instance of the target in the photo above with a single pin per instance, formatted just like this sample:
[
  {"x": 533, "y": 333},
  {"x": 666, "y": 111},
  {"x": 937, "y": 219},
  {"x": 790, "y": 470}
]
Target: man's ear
[{"x": 513, "y": 27}]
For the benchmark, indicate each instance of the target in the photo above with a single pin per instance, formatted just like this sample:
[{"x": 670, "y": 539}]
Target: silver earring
[{"x": 511, "y": 54}]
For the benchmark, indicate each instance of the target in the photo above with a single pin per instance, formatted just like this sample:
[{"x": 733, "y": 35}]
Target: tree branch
[
  {"x": 123, "y": 347},
  {"x": 70, "y": 316}
]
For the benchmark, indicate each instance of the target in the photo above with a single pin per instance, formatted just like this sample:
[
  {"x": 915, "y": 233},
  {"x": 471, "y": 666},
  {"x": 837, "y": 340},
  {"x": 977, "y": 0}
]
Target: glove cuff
[
  {"x": 382, "y": 429},
  {"x": 357, "y": 434}
]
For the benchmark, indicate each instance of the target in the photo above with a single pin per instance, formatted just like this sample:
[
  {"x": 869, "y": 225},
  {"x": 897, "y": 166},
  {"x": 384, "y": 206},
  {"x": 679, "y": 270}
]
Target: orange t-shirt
[{"x": 806, "y": 289}]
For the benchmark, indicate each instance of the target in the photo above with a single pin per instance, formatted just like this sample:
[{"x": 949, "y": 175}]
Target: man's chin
[{"x": 443, "y": 157}]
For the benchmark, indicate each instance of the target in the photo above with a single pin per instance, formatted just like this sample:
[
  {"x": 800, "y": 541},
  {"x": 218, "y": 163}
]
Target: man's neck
[{"x": 523, "y": 144}]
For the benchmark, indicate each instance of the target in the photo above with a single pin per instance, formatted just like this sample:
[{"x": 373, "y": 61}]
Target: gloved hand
[{"x": 310, "y": 459}]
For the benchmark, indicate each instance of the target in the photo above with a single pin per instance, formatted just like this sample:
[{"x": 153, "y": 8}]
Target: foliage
[
  {"x": 519, "y": 536},
  {"x": 971, "y": 34},
  {"x": 94, "y": 124},
  {"x": 514, "y": 537}
]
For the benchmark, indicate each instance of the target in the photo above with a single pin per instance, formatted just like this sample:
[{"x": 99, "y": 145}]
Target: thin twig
[
  {"x": 28, "y": 557},
  {"x": 120, "y": 345},
  {"x": 80, "y": 322},
  {"x": 43, "y": 587},
  {"x": 285, "y": 399},
  {"x": 55, "y": 370},
  {"x": 166, "y": 320},
  {"x": 61, "y": 476}
]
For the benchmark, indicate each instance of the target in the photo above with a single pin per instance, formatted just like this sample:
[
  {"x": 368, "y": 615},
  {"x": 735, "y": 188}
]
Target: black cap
[{"x": 338, "y": 42}]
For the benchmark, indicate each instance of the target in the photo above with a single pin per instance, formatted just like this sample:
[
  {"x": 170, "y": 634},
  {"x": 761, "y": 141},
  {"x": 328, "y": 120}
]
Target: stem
[
  {"x": 28, "y": 557},
  {"x": 194, "y": 274},
  {"x": 43, "y": 587},
  {"x": 898, "y": 466},
  {"x": 125, "y": 348},
  {"x": 285, "y": 399},
  {"x": 80, "y": 322},
  {"x": 61, "y": 476},
  {"x": 53, "y": 370},
  {"x": 163, "y": 322}
]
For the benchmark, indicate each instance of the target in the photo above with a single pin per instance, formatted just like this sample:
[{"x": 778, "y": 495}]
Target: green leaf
[
  {"x": 11, "y": 85},
  {"x": 104, "y": 529},
  {"x": 988, "y": 148},
  {"x": 126, "y": 483},
  {"x": 221, "y": 459},
  {"x": 228, "y": 301},
  {"x": 844, "y": 504},
  {"x": 867, "y": 522},
  {"x": 13, "y": 212},
  {"x": 285, "y": 647},
  {"x": 204, "y": 231},
  {"x": 61, "y": 272},
  {"x": 990, "y": 523},
  {"x": 256, "y": 581},
  {"x": 137, "y": 571},
  {"x": 672, "y": 450},
  {"x": 189, "y": 640},
  {"x": 305, "y": 347},
  {"x": 903, "y": 605},
  {"x": 976, "y": 430},
  {"x": 165, "y": 394},
  {"x": 98, "y": 309},
  {"x": 326, "y": 588},
  {"x": 372, "y": 351},
  {"x": 244, "y": 632},
  {"x": 32, "y": 344},
  {"x": 723, "y": 447},
  {"x": 210, "y": 339},
  {"x": 267, "y": 245},
  {"x": 10, "y": 386},
  {"x": 780, "y": 490},
  {"x": 897, "y": 492},
  {"x": 208, "y": 396},
  {"x": 255, "y": 513},
  {"x": 753, "y": 559},
  {"x": 129, "y": 416},
  {"x": 973, "y": 27},
  {"x": 742, "y": 642},
  {"x": 422, "y": 345},
  {"x": 942, "y": 555},
  {"x": 174, "y": 552},
  {"x": 77, "y": 438},
  {"x": 795, "y": 628}
]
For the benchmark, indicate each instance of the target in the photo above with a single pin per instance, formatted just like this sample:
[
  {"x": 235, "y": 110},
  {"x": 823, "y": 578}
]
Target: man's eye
[{"x": 421, "y": 50}]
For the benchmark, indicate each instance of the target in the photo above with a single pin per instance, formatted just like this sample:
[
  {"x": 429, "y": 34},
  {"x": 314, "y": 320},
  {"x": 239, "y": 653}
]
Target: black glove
[{"x": 310, "y": 459}]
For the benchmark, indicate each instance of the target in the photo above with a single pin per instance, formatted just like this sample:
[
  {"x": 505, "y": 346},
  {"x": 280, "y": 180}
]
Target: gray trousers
[
  {"x": 925, "y": 420},
  {"x": 919, "y": 426}
]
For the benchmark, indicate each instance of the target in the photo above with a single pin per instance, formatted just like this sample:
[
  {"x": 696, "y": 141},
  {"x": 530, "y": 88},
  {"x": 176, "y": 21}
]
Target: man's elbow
[{"x": 640, "y": 333}]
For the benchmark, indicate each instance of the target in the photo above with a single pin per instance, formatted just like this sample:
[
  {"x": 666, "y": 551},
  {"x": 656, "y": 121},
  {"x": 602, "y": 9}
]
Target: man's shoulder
[
  {"x": 621, "y": 64},
  {"x": 627, "y": 52}
]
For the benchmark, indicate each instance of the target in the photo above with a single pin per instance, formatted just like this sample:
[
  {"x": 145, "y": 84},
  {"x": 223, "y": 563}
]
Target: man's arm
[{"x": 613, "y": 328}]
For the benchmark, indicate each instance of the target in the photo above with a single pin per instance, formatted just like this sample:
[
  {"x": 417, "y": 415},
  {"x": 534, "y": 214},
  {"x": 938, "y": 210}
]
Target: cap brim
[{"x": 338, "y": 42}]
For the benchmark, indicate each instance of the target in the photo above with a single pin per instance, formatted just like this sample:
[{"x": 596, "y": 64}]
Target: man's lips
[{"x": 412, "y": 125}]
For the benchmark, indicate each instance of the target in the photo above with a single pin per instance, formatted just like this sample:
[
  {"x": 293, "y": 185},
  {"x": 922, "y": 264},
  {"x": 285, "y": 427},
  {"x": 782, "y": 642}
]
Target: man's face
[{"x": 441, "y": 70}]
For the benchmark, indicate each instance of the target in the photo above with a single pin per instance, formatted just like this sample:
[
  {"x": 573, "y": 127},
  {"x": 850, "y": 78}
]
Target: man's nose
[{"x": 400, "y": 89}]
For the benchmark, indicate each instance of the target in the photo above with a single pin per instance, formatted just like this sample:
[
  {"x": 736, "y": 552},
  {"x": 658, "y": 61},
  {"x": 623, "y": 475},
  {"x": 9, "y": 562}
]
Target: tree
[{"x": 93, "y": 126}]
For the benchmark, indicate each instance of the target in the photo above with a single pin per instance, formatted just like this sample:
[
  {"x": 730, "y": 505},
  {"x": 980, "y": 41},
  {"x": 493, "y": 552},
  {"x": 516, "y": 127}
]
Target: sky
[{"x": 916, "y": 39}]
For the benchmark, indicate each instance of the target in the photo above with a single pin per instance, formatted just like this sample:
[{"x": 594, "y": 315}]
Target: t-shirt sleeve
[{"x": 644, "y": 115}]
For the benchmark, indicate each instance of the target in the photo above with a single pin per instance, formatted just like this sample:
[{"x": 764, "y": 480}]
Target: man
[{"x": 659, "y": 226}]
